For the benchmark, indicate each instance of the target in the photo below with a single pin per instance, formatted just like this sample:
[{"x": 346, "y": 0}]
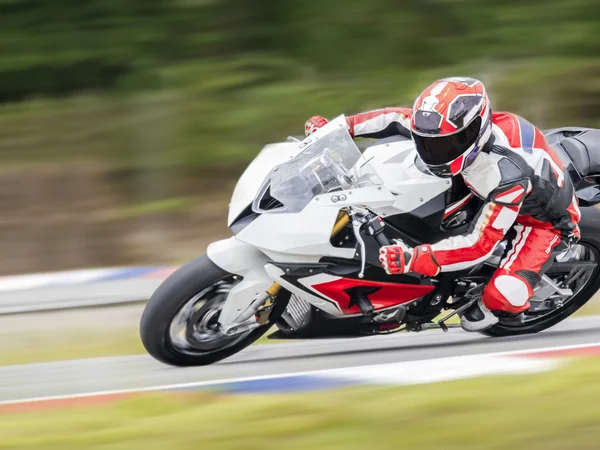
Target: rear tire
[
  {"x": 169, "y": 299},
  {"x": 573, "y": 304}
]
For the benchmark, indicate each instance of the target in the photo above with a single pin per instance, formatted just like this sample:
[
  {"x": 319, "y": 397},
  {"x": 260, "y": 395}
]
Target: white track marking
[{"x": 381, "y": 368}]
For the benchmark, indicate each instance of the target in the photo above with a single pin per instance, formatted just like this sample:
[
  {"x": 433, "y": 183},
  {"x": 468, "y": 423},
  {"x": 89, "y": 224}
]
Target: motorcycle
[{"x": 308, "y": 218}]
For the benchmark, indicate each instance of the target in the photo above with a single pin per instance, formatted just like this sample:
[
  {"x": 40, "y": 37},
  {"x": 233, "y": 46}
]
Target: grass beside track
[
  {"x": 549, "y": 411},
  {"x": 70, "y": 344}
]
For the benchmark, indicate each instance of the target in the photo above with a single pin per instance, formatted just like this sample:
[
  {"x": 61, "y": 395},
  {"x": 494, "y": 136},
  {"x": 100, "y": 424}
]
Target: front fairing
[
  {"x": 252, "y": 179},
  {"x": 293, "y": 173}
]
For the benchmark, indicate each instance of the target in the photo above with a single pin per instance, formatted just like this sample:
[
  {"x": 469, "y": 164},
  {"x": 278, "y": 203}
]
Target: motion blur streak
[{"x": 123, "y": 123}]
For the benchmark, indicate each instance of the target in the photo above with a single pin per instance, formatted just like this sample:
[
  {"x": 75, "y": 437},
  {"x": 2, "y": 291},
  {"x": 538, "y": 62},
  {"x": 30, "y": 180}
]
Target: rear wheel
[
  {"x": 577, "y": 271},
  {"x": 180, "y": 324}
]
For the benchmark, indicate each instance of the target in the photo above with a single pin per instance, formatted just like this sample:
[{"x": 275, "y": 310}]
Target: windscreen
[{"x": 327, "y": 164}]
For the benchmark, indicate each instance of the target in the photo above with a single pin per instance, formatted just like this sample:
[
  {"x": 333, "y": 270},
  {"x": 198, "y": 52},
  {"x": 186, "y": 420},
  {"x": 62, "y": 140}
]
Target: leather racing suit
[{"x": 528, "y": 198}]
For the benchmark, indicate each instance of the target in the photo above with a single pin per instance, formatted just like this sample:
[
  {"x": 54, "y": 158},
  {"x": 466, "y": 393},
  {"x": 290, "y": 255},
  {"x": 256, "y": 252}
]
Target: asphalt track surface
[
  {"x": 48, "y": 298},
  {"x": 135, "y": 372}
]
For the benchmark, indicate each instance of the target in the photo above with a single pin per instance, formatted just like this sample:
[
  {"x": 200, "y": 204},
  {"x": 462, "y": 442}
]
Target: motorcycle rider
[{"x": 505, "y": 161}]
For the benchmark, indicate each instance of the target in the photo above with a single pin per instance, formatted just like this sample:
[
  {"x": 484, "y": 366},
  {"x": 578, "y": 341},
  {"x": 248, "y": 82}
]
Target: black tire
[
  {"x": 575, "y": 303},
  {"x": 171, "y": 296}
]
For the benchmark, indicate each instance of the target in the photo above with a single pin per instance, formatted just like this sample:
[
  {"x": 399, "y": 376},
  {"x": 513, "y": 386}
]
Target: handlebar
[
  {"x": 375, "y": 227},
  {"x": 366, "y": 224},
  {"x": 382, "y": 239}
]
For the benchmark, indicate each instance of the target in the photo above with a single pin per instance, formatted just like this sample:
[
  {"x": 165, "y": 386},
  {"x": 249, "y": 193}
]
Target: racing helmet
[{"x": 450, "y": 124}]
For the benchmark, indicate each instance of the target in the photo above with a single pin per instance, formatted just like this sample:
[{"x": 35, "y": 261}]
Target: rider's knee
[{"x": 507, "y": 292}]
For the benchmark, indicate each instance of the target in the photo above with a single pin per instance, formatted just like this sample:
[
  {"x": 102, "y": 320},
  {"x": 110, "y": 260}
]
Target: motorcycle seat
[{"x": 583, "y": 149}]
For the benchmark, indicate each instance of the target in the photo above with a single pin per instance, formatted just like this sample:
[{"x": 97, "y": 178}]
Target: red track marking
[
  {"x": 53, "y": 405},
  {"x": 185, "y": 390},
  {"x": 564, "y": 353},
  {"x": 94, "y": 400}
]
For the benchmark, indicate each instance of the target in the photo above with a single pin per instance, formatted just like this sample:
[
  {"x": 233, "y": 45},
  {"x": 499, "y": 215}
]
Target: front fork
[{"x": 251, "y": 317}]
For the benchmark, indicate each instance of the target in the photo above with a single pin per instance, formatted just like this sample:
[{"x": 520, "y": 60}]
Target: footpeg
[
  {"x": 363, "y": 303},
  {"x": 436, "y": 326},
  {"x": 442, "y": 322}
]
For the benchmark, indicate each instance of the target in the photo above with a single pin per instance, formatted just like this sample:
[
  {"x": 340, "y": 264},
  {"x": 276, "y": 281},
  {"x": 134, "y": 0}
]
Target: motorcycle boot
[{"x": 477, "y": 318}]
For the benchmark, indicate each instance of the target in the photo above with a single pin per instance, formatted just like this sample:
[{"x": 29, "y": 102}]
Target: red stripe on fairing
[{"x": 388, "y": 295}]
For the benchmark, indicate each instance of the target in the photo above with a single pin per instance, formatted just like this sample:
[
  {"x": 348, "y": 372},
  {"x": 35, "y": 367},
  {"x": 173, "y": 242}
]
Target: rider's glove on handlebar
[
  {"x": 394, "y": 259},
  {"x": 399, "y": 259}
]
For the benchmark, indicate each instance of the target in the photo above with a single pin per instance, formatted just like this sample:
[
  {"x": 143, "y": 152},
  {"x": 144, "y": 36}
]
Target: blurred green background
[{"x": 125, "y": 123}]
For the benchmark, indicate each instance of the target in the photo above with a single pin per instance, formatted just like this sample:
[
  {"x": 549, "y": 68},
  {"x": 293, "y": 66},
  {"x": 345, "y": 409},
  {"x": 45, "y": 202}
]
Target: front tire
[{"x": 204, "y": 344}]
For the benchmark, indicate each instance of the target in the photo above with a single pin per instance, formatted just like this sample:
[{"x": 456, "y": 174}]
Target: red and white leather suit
[{"x": 528, "y": 198}]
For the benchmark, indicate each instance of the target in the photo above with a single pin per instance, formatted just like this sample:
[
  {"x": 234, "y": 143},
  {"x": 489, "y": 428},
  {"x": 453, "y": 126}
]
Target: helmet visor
[{"x": 437, "y": 150}]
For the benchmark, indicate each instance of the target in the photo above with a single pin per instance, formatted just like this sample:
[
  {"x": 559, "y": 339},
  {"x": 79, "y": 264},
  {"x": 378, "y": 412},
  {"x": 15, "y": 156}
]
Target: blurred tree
[
  {"x": 257, "y": 56},
  {"x": 129, "y": 101}
]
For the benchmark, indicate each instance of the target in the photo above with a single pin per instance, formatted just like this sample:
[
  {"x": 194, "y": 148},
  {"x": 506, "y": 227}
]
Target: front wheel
[
  {"x": 578, "y": 272},
  {"x": 180, "y": 324}
]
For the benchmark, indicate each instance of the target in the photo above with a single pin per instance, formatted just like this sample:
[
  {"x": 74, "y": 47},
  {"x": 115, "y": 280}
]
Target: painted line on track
[
  {"x": 403, "y": 373},
  {"x": 15, "y": 283}
]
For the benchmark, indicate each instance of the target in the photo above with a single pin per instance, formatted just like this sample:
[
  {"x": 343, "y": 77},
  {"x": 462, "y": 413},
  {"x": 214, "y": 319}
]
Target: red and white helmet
[{"x": 450, "y": 124}]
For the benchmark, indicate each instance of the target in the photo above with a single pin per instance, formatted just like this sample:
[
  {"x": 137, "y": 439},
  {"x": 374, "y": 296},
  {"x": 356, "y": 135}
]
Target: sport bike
[{"x": 308, "y": 218}]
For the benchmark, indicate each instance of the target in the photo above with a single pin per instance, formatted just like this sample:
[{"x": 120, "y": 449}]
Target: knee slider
[{"x": 507, "y": 293}]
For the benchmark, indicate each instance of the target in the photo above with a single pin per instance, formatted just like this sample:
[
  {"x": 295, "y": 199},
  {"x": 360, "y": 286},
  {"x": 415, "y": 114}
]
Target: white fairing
[
  {"x": 307, "y": 233},
  {"x": 385, "y": 180},
  {"x": 316, "y": 300},
  {"x": 395, "y": 164},
  {"x": 241, "y": 259},
  {"x": 249, "y": 183}
]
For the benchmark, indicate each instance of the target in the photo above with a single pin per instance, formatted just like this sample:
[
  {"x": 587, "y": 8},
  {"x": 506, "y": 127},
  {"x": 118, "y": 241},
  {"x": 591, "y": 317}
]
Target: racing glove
[
  {"x": 398, "y": 259},
  {"x": 313, "y": 124}
]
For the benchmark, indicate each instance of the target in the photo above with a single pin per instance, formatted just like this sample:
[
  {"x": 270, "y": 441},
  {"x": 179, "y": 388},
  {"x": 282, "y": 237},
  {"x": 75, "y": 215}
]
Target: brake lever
[{"x": 357, "y": 224}]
